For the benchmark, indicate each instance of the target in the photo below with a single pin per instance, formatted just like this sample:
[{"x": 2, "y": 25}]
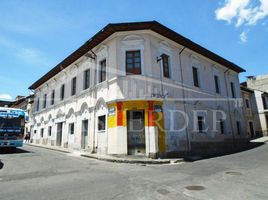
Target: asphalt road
[{"x": 33, "y": 173}]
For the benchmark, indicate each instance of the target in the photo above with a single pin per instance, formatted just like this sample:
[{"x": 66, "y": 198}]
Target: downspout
[
  {"x": 184, "y": 103},
  {"x": 229, "y": 106}
]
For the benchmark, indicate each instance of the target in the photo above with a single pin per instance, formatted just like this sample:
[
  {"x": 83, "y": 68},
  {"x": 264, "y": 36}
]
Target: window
[
  {"x": 101, "y": 123},
  {"x": 102, "y": 71},
  {"x": 233, "y": 90},
  {"x": 62, "y": 90},
  {"x": 133, "y": 62},
  {"x": 238, "y": 127},
  {"x": 71, "y": 128},
  {"x": 73, "y": 92},
  {"x": 200, "y": 123},
  {"x": 42, "y": 133},
  {"x": 86, "y": 79},
  {"x": 217, "y": 86},
  {"x": 222, "y": 128},
  {"x": 264, "y": 102},
  {"x": 49, "y": 131},
  {"x": 247, "y": 103},
  {"x": 45, "y": 101},
  {"x": 195, "y": 77},
  {"x": 52, "y": 97},
  {"x": 37, "y": 105},
  {"x": 35, "y": 131},
  {"x": 165, "y": 60}
]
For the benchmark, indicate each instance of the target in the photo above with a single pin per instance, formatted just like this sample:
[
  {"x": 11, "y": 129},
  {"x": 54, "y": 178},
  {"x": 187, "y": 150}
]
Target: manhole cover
[
  {"x": 195, "y": 187},
  {"x": 234, "y": 173}
]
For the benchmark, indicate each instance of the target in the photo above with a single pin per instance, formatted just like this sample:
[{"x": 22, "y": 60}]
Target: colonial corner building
[{"x": 139, "y": 89}]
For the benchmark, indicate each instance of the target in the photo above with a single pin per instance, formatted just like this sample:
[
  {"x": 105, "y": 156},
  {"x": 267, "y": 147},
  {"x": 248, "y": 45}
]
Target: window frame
[
  {"x": 49, "y": 131},
  {"x": 73, "y": 86},
  {"x": 102, "y": 73},
  {"x": 166, "y": 65},
  {"x": 45, "y": 101},
  {"x": 233, "y": 89},
  {"x": 134, "y": 70},
  {"x": 103, "y": 128},
  {"x": 217, "y": 84},
  {"x": 52, "y": 101},
  {"x": 86, "y": 80},
  {"x": 71, "y": 128},
  {"x": 238, "y": 127},
  {"x": 196, "y": 80},
  {"x": 200, "y": 123},
  {"x": 62, "y": 92}
]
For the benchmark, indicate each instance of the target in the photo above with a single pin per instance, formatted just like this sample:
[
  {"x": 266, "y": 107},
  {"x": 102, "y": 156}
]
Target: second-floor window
[
  {"x": 233, "y": 90},
  {"x": 165, "y": 60},
  {"x": 133, "y": 62},
  {"x": 102, "y": 71},
  {"x": 45, "y": 101},
  {"x": 195, "y": 77},
  {"x": 37, "y": 104},
  {"x": 217, "y": 84},
  {"x": 247, "y": 103},
  {"x": 62, "y": 91},
  {"x": 73, "y": 92},
  {"x": 52, "y": 97},
  {"x": 86, "y": 78}
]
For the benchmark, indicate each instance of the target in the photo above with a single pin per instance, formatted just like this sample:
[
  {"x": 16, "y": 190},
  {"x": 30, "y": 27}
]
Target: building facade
[
  {"x": 139, "y": 89},
  {"x": 250, "y": 111},
  {"x": 259, "y": 84}
]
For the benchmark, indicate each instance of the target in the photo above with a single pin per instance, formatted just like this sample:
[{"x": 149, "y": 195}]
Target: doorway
[
  {"x": 84, "y": 138},
  {"x": 59, "y": 134},
  {"x": 135, "y": 132}
]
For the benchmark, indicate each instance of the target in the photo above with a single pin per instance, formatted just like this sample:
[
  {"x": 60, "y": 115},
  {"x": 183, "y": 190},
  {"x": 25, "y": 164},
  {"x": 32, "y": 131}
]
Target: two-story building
[{"x": 139, "y": 89}]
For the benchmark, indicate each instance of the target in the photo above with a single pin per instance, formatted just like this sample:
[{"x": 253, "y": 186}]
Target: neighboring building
[
  {"x": 260, "y": 86},
  {"x": 125, "y": 91},
  {"x": 250, "y": 110},
  {"x": 25, "y": 103}
]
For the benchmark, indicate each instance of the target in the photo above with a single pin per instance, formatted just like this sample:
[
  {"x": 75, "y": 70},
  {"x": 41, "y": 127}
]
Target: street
[{"x": 33, "y": 173}]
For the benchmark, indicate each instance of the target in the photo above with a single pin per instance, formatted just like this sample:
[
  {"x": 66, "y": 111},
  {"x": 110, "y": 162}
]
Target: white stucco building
[
  {"x": 259, "y": 85},
  {"x": 132, "y": 88}
]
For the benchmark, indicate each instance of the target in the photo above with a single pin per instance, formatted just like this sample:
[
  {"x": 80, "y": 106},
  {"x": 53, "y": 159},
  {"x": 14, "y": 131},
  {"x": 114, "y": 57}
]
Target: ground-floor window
[
  {"x": 49, "y": 131},
  {"x": 222, "y": 128},
  {"x": 42, "y": 133},
  {"x": 238, "y": 127},
  {"x": 71, "y": 128},
  {"x": 102, "y": 123},
  {"x": 200, "y": 123}
]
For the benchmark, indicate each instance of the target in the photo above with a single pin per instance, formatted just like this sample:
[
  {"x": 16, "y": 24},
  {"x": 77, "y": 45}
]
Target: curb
[
  {"x": 52, "y": 149},
  {"x": 115, "y": 160},
  {"x": 128, "y": 161}
]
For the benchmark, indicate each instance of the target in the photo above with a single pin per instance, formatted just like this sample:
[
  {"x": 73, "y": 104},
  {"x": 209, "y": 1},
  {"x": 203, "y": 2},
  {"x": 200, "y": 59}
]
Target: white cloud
[
  {"x": 243, "y": 37},
  {"x": 5, "y": 97},
  {"x": 242, "y": 11}
]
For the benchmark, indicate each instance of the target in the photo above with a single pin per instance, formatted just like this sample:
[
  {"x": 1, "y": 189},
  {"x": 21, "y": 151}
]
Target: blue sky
[{"x": 37, "y": 35}]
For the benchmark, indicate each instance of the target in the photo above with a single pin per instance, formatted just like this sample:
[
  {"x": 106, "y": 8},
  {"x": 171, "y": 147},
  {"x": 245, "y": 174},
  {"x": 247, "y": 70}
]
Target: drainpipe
[
  {"x": 229, "y": 106},
  {"x": 184, "y": 103}
]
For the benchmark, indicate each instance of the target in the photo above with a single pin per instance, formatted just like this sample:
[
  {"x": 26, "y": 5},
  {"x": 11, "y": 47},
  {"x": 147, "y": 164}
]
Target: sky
[{"x": 36, "y": 35}]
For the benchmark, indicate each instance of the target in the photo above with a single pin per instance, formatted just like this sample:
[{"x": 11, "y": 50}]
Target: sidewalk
[
  {"x": 262, "y": 139},
  {"x": 115, "y": 159}
]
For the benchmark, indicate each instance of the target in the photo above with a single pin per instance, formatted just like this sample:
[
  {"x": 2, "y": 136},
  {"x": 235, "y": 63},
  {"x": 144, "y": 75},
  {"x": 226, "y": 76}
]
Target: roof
[
  {"x": 245, "y": 88},
  {"x": 133, "y": 26}
]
